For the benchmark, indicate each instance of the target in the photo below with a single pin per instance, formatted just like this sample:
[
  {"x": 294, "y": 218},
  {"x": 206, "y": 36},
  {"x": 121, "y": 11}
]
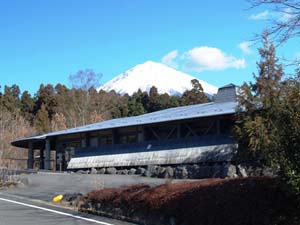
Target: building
[{"x": 182, "y": 135}]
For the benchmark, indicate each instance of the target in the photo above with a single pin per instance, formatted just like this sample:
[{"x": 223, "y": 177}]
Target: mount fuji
[{"x": 164, "y": 78}]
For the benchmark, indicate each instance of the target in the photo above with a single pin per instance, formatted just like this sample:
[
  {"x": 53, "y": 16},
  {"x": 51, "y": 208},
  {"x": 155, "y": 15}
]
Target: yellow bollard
[{"x": 57, "y": 198}]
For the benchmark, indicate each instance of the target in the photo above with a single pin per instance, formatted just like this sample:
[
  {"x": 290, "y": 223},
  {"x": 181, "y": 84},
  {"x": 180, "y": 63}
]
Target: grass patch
[{"x": 9, "y": 183}]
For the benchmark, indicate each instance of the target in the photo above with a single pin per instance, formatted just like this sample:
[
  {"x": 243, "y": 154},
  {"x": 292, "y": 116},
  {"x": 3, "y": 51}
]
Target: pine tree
[
  {"x": 135, "y": 108},
  {"x": 194, "y": 96},
  {"x": 11, "y": 98},
  {"x": 46, "y": 96},
  {"x": 154, "y": 101},
  {"x": 42, "y": 121},
  {"x": 141, "y": 98},
  {"x": 27, "y": 106}
]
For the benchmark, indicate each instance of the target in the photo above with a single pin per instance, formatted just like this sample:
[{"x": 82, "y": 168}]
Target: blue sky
[{"x": 46, "y": 41}]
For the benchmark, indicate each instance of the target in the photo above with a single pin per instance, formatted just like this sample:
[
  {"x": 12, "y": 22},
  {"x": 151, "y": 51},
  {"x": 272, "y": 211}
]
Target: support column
[
  {"x": 56, "y": 148},
  {"x": 47, "y": 155},
  {"x": 42, "y": 158},
  {"x": 30, "y": 156}
]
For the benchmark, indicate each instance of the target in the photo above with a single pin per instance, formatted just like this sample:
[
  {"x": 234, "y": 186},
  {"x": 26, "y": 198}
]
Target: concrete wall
[{"x": 213, "y": 153}]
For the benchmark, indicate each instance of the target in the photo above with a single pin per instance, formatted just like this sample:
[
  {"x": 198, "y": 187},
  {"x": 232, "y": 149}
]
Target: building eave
[{"x": 166, "y": 115}]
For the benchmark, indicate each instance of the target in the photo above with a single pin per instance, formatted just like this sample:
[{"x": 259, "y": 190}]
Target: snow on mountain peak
[{"x": 164, "y": 78}]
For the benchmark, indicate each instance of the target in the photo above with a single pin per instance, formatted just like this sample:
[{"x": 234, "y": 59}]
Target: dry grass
[
  {"x": 9, "y": 183},
  {"x": 8, "y": 178}
]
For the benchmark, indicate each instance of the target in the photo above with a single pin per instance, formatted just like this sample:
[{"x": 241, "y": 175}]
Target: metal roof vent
[{"x": 227, "y": 93}]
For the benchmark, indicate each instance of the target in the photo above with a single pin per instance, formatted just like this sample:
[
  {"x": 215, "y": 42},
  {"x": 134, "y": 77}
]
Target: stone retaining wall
[
  {"x": 191, "y": 171},
  {"x": 187, "y": 171}
]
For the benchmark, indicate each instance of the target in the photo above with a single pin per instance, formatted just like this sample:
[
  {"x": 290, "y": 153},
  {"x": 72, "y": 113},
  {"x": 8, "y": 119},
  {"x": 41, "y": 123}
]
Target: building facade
[{"x": 183, "y": 135}]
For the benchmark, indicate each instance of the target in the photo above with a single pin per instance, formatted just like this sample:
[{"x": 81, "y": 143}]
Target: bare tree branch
[
  {"x": 286, "y": 24},
  {"x": 85, "y": 79}
]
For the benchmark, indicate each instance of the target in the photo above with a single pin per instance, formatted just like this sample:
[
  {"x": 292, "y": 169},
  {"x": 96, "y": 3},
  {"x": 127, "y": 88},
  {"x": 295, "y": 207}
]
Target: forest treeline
[{"x": 58, "y": 107}]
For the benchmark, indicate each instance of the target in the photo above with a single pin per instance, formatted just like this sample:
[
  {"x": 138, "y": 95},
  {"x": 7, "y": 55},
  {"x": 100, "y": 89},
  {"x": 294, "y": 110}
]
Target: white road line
[{"x": 55, "y": 211}]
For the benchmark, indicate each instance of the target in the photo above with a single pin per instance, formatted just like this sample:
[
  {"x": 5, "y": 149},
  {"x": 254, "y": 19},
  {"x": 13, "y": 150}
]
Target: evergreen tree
[
  {"x": 259, "y": 99},
  {"x": 42, "y": 121},
  {"x": 117, "y": 105},
  {"x": 268, "y": 121},
  {"x": 11, "y": 98},
  {"x": 122, "y": 105},
  {"x": 63, "y": 101},
  {"x": 175, "y": 101},
  {"x": 287, "y": 155},
  {"x": 135, "y": 103},
  {"x": 60, "y": 89},
  {"x": 142, "y": 97},
  {"x": 135, "y": 108},
  {"x": 46, "y": 96},
  {"x": 164, "y": 101},
  {"x": 154, "y": 101},
  {"x": 27, "y": 106},
  {"x": 194, "y": 96}
]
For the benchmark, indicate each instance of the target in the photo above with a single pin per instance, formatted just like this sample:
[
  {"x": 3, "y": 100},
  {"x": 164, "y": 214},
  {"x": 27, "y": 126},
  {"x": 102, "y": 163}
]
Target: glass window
[
  {"x": 105, "y": 140},
  {"x": 131, "y": 138},
  {"x": 94, "y": 142},
  {"x": 127, "y": 139}
]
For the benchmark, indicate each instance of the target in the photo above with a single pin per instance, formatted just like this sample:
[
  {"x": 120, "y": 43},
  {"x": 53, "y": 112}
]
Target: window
[
  {"x": 105, "y": 140},
  {"x": 94, "y": 141},
  {"x": 127, "y": 139}
]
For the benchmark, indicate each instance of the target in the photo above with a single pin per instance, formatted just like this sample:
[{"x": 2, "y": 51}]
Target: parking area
[{"x": 45, "y": 185}]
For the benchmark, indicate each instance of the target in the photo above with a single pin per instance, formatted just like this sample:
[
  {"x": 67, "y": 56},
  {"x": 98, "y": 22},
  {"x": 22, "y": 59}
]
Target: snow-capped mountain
[{"x": 148, "y": 74}]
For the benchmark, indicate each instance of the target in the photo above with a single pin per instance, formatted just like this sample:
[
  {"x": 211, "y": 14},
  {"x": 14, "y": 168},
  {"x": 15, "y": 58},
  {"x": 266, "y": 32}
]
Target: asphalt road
[
  {"x": 44, "y": 186},
  {"x": 20, "y": 211},
  {"x": 20, "y": 205}
]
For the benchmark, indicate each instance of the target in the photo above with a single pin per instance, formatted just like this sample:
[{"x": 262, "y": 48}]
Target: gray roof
[{"x": 171, "y": 114}]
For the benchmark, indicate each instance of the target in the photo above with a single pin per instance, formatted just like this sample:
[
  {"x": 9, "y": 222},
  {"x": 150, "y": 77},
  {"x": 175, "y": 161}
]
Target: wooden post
[
  {"x": 42, "y": 158},
  {"x": 30, "y": 156},
  {"x": 47, "y": 155}
]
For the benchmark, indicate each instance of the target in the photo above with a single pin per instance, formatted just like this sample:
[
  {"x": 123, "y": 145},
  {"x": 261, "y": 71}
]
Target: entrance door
[{"x": 64, "y": 157}]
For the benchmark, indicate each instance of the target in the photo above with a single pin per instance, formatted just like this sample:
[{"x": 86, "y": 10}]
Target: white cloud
[
  {"x": 169, "y": 59},
  {"x": 260, "y": 16},
  {"x": 285, "y": 15},
  {"x": 245, "y": 47},
  {"x": 207, "y": 58},
  {"x": 281, "y": 15}
]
